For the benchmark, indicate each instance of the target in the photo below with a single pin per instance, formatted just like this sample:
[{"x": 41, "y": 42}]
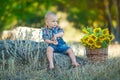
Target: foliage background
[{"x": 73, "y": 15}]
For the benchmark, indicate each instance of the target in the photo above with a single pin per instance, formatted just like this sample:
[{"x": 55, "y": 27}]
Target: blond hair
[{"x": 49, "y": 14}]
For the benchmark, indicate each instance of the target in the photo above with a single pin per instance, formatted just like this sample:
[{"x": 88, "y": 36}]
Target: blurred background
[{"x": 73, "y": 15}]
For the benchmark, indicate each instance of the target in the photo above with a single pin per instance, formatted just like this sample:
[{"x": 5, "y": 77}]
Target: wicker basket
[{"x": 97, "y": 55}]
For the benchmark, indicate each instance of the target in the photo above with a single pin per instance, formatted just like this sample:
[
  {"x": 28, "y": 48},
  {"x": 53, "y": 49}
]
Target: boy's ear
[{"x": 45, "y": 22}]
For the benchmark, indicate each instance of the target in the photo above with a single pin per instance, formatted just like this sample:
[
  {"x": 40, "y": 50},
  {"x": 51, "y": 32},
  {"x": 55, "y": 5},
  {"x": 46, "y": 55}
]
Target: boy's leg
[
  {"x": 50, "y": 57},
  {"x": 72, "y": 57}
]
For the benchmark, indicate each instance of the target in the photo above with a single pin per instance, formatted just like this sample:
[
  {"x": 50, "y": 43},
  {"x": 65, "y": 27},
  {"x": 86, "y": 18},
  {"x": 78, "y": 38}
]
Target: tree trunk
[
  {"x": 110, "y": 25},
  {"x": 117, "y": 7}
]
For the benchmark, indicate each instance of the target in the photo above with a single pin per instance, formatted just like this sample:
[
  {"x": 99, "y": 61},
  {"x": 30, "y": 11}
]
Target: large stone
[
  {"x": 21, "y": 49},
  {"x": 26, "y": 51},
  {"x": 23, "y": 33}
]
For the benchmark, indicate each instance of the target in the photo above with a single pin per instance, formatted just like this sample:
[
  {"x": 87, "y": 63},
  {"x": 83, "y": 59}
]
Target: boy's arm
[
  {"x": 49, "y": 41},
  {"x": 46, "y": 37},
  {"x": 60, "y": 34}
]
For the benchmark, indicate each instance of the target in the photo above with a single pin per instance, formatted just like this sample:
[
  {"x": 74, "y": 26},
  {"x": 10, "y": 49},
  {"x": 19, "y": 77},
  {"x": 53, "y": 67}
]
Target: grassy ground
[{"x": 110, "y": 70}]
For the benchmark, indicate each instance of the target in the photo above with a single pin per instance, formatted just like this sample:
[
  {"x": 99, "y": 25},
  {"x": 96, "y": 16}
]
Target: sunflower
[
  {"x": 107, "y": 40},
  {"x": 92, "y": 47},
  {"x": 90, "y": 41},
  {"x": 111, "y": 37},
  {"x": 106, "y": 32},
  {"x": 96, "y": 38},
  {"x": 102, "y": 37},
  {"x": 96, "y": 30},
  {"x": 98, "y": 44},
  {"x": 93, "y": 37},
  {"x": 85, "y": 31}
]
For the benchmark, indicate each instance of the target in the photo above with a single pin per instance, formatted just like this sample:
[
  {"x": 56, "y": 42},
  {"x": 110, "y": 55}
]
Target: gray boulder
[
  {"x": 21, "y": 49},
  {"x": 31, "y": 52}
]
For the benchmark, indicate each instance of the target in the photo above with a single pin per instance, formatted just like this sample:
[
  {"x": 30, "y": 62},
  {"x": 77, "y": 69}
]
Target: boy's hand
[
  {"x": 54, "y": 38},
  {"x": 55, "y": 42}
]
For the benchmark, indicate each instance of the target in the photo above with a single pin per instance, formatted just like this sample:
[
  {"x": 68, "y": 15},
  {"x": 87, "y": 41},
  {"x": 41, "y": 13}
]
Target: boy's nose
[{"x": 55, "y": 23}]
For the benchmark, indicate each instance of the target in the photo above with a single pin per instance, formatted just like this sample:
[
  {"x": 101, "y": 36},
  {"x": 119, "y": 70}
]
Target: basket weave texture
[{"x": 97, "y": 55}]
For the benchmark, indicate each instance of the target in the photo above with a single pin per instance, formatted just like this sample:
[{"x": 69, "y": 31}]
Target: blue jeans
[{"x": 61, "y": 47}]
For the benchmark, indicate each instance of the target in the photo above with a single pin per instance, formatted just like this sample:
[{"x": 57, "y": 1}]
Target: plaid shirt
[{"x": 48, "y": 33}]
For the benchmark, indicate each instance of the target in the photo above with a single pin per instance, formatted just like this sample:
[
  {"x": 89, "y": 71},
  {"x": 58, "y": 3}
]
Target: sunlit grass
[{"x": 108, "y": 71}]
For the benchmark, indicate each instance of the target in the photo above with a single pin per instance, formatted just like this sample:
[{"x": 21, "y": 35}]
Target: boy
[{"x": 52, "y": 35}]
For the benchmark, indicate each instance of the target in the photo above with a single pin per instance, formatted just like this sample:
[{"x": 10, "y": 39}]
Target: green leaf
[
  {"x": 89, "y": 30},
  {"x": 104, "y": 44}
]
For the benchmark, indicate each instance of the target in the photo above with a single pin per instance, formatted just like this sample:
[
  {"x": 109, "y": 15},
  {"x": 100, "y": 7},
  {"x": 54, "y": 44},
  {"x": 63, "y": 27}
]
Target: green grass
[
  {"x": 11, "y": 70},
  {"x": 108, "y": 71}
]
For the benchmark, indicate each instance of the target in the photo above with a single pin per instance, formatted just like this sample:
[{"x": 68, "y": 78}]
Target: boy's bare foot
[
  {"x": 51, "y": 67},
  {"x": 76, "y": 65}
]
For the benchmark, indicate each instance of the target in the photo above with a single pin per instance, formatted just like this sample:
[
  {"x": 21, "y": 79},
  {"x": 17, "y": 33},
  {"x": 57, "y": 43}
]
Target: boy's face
[{"x": 51, "y": 21}]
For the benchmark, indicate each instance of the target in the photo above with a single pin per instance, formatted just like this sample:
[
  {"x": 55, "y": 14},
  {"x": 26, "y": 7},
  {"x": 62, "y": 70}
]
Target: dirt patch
[{"x": 114, "y": 50}]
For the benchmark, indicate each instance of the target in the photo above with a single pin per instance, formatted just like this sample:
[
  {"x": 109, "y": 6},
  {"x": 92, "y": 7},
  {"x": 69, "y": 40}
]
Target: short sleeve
[
  {"x": 44, "y": 34},
  {"x": 59, "y": 29}
]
